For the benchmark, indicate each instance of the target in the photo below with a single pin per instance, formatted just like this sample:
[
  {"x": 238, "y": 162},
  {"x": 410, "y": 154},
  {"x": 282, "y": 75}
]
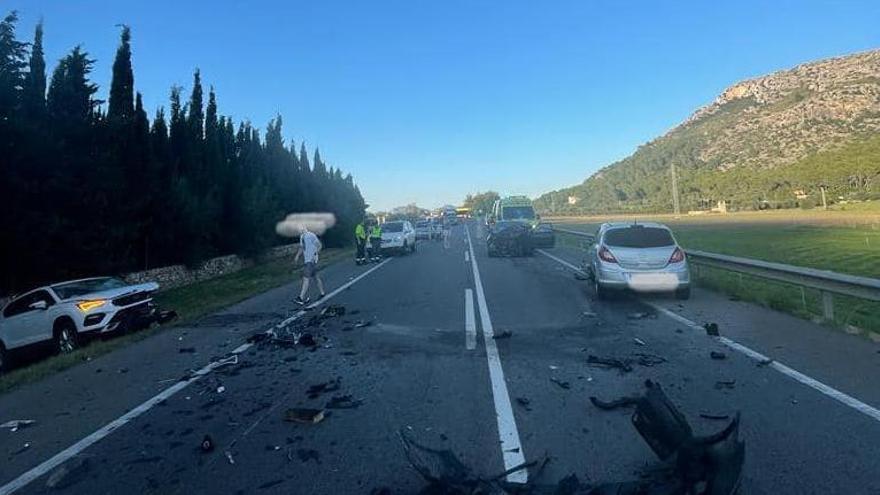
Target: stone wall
[{"x": 169, "y": 277}]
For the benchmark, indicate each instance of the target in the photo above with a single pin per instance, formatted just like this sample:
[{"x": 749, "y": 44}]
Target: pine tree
[
  {"x": 121, "y": 106},
  {"x": 12, "y": 64}
]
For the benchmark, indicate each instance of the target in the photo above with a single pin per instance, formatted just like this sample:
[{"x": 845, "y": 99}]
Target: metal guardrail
[{"x": 826, "y": 282}]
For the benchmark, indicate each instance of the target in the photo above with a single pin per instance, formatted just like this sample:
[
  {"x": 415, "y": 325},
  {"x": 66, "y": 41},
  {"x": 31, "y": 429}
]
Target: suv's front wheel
[{"x": 66, "y": 338}]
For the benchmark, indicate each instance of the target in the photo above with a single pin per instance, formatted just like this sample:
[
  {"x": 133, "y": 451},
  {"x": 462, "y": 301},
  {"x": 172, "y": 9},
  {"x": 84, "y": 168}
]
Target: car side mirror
[{"x": 40, "y": 305}]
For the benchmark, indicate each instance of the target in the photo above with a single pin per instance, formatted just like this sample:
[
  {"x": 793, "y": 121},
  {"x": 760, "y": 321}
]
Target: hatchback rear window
[{"x": 639, "y": 237}]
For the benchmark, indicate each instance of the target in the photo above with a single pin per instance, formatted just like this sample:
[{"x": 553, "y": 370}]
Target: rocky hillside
[{"x": 764, "y": 142}]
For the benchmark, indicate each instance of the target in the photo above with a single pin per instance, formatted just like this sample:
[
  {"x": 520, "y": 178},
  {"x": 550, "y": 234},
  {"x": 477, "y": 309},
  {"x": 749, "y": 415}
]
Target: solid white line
[
  {"x": 61, "y": 457},
  {"x": 820, "y": 387},
  {"x": 470, "y": 323},
  {"x": 511, "y": 449},
  {"x": 560, "y": 261},
  {"x": 792, "y": 373}
]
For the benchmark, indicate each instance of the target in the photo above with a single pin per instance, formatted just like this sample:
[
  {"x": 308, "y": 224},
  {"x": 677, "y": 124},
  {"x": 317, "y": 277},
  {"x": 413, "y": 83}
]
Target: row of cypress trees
[{"x": 92, "y": 187}]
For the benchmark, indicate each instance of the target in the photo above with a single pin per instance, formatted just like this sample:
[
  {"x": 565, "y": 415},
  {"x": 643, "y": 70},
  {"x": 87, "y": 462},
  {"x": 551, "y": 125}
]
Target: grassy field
[
  {"x": 842, "y": 240},
  {"x": 191, "y": 302}
]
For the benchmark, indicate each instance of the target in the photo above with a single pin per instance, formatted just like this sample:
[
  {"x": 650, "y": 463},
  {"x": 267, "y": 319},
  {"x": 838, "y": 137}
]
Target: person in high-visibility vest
[
  {"x": 376, "y": 242},
  {"x": 360, "y": 239}
]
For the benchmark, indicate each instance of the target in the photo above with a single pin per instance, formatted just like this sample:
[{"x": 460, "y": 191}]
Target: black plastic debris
[
  {"x": 711, "y": 329},
  {"x": 304, "y": 415},
  {"x": 525, "y": 403},
  {"x": 717, "y": 355},
  {"x": 166, "y": 316},
  {"x": 619, "y": 364},
  {"x": 614, "y": 404},
  {"x": 333, "y": 311},
  {"x": 504, "y": 334},
  {"x": 307, "y": 340},
  {"x": 715, "y": 416},
  {"x": 314, "y": 391},
  {"x": 645, "y": 359},
  {"x": 343, "y": 402},
  {"x": 258, "y": 337},
  {"x": 207, "y": 444},
  {"x": 562, "y": 384},
  {"x": 187, "y": 350}
]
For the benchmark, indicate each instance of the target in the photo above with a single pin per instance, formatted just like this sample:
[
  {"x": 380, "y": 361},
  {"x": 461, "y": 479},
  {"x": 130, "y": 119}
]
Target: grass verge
[{"x": 191, "y": 302}]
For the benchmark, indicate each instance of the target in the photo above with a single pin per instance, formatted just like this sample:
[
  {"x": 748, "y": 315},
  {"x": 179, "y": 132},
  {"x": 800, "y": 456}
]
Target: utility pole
[
  {"x": 675, "y": 204},
  {"x": 822, "y": 188}
]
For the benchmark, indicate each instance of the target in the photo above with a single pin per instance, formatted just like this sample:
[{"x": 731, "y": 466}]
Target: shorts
[{"x": 310, "y": 269}]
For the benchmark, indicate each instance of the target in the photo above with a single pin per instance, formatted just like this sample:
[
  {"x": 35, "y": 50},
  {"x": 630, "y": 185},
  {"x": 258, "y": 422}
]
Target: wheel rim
[{"x": 65, "y": 341}]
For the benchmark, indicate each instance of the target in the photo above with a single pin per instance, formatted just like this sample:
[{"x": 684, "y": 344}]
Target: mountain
[{"x": 773, "y": 141}]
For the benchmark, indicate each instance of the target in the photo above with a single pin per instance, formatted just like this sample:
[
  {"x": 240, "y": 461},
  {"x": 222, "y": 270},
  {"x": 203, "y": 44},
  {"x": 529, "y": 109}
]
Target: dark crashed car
[
  {"x": 510, "y": 238},
  {"x": 543, "y": 236}
]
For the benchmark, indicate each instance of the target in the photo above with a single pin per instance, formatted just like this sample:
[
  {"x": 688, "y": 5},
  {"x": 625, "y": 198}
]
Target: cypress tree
[
  {"x": 121, "y": 106},
  {"x": 35, "y": 81}
]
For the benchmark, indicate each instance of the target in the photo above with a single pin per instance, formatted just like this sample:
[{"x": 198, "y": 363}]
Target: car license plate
[{"x": 653, "y": 281}]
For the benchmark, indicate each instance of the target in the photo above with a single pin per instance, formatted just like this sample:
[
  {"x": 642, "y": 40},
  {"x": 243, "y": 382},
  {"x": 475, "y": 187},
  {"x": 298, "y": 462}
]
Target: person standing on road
[
  {"x": 309, "y": 247},
  {"x": 376, "y": 242},
  {"x": 446, "y": 232},
  {"x": 360, "y": 239}
]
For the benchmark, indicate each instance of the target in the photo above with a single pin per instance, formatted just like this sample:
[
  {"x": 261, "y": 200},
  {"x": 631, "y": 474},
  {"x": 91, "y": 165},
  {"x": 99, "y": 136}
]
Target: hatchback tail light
[
  {"x": 677, "y": 256},
  {"x": 606, "y": 256}
]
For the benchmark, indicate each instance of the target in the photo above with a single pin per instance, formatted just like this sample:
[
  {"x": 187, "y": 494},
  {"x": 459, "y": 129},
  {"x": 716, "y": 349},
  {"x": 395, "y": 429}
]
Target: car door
[{"x": 22, "y": 325}]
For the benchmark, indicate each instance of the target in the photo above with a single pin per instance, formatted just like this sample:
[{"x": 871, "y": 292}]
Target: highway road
[{"x": 426, "y": 364}]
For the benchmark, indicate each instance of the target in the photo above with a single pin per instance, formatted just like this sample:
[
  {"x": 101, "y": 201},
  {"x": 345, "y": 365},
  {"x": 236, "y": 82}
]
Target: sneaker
[{"x": 302, "y": 302}]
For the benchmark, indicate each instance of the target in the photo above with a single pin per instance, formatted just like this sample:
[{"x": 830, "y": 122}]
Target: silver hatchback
[{"x": 643, "y": 257}]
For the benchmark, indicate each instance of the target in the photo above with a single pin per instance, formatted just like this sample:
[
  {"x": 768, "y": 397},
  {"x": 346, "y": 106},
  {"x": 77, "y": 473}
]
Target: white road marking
[
  {"x": 470, "y": 323},
  {"x": 63, "y": 456},
  {"x": 820, "y": 387},
  {"x": 511, "y": 449},
  {"x": 467, "y": 255},
  {"x": 792, "y": 373}
]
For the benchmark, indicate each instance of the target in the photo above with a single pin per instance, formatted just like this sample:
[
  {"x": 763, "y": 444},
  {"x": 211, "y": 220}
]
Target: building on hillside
[{"x": 572, "y": 200}]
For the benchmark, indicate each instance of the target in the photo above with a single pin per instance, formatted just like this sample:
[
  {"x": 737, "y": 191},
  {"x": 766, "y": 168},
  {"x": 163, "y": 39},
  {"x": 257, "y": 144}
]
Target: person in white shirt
[{"x": 309, "y": 247}]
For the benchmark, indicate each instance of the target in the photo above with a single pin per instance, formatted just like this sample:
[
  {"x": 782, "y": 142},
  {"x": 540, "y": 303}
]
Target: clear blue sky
[{"x": 424, "y": 101}]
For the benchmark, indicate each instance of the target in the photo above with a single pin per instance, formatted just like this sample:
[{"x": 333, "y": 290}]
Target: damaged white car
[{"x": 65, "y": 314}]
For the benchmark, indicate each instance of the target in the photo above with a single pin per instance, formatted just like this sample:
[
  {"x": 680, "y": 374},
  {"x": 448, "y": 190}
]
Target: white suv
[
  {"x": 398, "y": 236},
  {"x": 67, "y": 312}
]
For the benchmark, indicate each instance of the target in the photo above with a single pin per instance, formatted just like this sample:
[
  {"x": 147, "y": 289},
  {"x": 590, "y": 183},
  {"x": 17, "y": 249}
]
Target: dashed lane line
[{"x": 511, "y": 448}]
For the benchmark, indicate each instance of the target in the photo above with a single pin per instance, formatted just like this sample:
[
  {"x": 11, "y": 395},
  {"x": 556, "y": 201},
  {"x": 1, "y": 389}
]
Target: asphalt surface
[{"x": 409, "y": 370}]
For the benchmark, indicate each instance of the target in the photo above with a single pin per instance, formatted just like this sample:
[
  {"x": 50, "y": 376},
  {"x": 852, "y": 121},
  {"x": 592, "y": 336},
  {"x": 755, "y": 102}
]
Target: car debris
[
  {"x": 639, "y": 341},
  {"x": 590, "y": 314},
  {"x": 207, "y": 444},
  {"x": 619, "y": 364},
  {"x": 17, "y": 424},
  {"x": 711, "y": 329},
  {"x": 562, "y": 384},
  {"x": 187, "y": 350},
  {"x": 314, "y": 391},
  {"x": 221, "y": 389},
  {"x": 504, "y": 334},
  {"x": 164, "y": 317},
  {"x": 580, "y": 276},
  {"x": 333, "y": 311},
  {"x": 715, "y": 416},
  {"x": 614, "y": 404},
  {"x": 362, "y": 323},
  {"x": 717, "y": 355},
  {"x": 229, "y": 457},
  {"x": 640, "y": 315},
  {"x": 304, "y": 415},
  {"x": 765, "y": 362},
  {"x": 524, "y": 402},
  {"x": 24, "y": 447}
]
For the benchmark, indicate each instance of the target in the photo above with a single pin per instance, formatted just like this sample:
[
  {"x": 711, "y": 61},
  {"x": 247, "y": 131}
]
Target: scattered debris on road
[
  {"x": 765, "y": 362},
  {"x": 187, "y": 350},
  {"x": 504, "y": 334},
  {"x": 304, "y": 415},
  {"x": 166, "y": 316},
  {"x": 640, "y": 315},
  {"x": 711, "y": 329},
  {"x": 24, "y": 447},
  {"x": 580, "y": 276},
  {"x": 17, "y": 424},
  {"x": 590, "y": 314},
  {"x": 315, "y": 391},
  {"x": 614, "y": 404},
  {"x": 333, "y": 310},
  {"x": 619, "y": 364},
  {"x": 639, "y": 341},
  {"x": 229, "y": 457},
  {"x": 221, "y": 389},
  {"x": 717, "y": 355},
  {"x": 362, "y": 323},
  {"x": 524, "y": 402},
  {"x": 562, "y": 384}
]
